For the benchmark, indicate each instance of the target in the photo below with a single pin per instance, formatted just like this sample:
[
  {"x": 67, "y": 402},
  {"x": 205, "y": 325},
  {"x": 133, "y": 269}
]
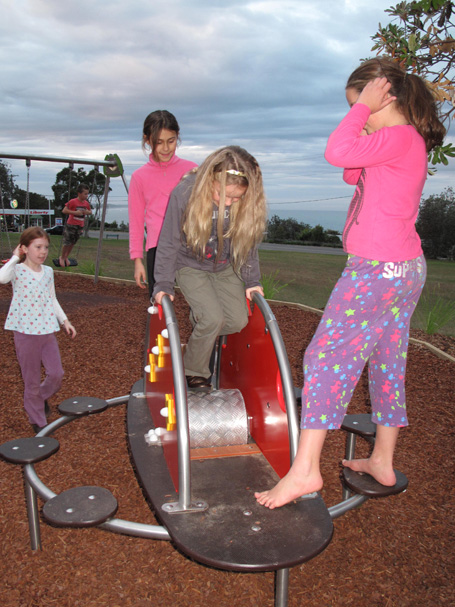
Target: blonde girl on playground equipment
[{"x": 215, "y": 220}]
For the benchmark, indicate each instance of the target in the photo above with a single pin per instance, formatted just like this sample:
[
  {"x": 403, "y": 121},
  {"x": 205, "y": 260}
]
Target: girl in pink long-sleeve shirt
[
  {"x": 382, "y": 144},
  {"x": 150, "y": 189}
]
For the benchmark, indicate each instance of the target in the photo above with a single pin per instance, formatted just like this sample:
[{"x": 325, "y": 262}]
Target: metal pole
[
  {"x": 349, "y": 453},
  {"x": 285, "y": 372},
  {"x": 108, "y": 163},
  {"x": 100, "y": 238},
  {"x": 181, "y": 409},
  {"x": 124, "y": 182},
  {"x": 33, "y": 516},
  {"x": 281, "y": 587}
]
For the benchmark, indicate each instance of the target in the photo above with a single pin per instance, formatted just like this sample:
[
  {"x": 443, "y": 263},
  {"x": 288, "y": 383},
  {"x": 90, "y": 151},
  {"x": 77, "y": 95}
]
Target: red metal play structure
[{"x": 200, "y": 457}]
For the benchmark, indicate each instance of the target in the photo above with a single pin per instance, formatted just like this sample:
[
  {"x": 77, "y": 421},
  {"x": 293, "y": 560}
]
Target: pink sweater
[
  {"x": 389, "y": 168},
  {"x": 148, "y": 197}
]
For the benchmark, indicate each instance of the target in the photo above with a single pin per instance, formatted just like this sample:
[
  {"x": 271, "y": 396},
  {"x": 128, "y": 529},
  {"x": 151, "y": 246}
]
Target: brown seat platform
[{"x": 235, "y": 532}]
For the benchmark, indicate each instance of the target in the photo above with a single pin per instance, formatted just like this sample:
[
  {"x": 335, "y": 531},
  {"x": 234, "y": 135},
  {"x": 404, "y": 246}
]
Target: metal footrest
[{"x": 364, "y": 484}]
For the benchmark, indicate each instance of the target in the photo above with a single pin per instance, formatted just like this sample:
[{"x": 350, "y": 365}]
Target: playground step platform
[
  {"x": 364, "y": 484},
  {"x": 82, "y": 405},
  {"x": 29, "y": 450},
  {"x": 234, "y": 532},
  {"x": 80, "y": 507},
  {"x": 359, "y": 424}
]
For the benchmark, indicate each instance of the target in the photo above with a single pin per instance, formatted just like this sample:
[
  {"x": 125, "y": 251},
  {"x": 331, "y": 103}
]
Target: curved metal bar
[
  {"x": 285, "y": 371},
  {"x": 152, "y": 532},
  {"x": 181, "y": 410},
  {"x": 118, "y": 400},
  {"x": 343, "y": 507}
]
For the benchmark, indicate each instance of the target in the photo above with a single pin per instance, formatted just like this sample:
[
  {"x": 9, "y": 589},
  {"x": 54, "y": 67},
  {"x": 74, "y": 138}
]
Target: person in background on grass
[
  {"x": 34, "y": 316},
  {"x": 215, "y": 219},
  {"x": 77, "y": 209},
  {"x": 382, "y": 144},
  {"x": 150, "y": 188}
]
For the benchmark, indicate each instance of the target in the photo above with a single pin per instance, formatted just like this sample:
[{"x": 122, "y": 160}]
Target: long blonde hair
[{"x": 231, "y": 165}]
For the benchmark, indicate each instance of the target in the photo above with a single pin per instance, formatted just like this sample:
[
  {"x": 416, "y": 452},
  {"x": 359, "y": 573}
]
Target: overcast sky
[{"x": 78, "y": 79}]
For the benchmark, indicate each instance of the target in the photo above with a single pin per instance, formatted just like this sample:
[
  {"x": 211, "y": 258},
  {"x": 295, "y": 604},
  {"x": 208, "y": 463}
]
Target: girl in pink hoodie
[
  {"x": 382, "y": 144},
  {"x": 150, "y": 189}
]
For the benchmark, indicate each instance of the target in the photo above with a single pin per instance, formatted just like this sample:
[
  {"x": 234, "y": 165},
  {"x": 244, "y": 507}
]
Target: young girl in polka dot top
[{"x": 34, "y": 316}]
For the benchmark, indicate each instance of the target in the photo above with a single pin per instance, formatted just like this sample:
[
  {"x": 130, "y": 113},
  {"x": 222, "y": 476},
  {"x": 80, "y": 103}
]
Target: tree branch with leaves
[{"x": 422, "y": 42}]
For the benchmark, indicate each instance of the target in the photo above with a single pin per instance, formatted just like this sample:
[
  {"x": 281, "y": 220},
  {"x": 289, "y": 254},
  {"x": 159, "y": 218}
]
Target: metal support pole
[
  {"x": 351, "y": 440},
  {"x": 181, "y": 408},
  {"x": 124, "y": 182},
  {"x": 100, "y": 238},
  {"x": 281, "y": 587},
  {"x": 33, "y": 516}
]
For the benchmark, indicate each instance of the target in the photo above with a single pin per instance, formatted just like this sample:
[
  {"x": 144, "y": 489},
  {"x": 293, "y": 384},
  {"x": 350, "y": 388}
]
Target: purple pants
[
  {"x": 32, "y": 352},
  {"x": 367, "y": 318}
]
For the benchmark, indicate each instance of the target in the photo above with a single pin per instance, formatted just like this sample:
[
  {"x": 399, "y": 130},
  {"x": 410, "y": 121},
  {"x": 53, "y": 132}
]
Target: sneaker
[
  {"x": 198, "y": 384},
  {"x": 37, "y": 428}
]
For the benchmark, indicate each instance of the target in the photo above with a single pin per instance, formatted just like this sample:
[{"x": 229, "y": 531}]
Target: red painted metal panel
[
  {"x": 248, "y": 363},
  {"x": 162, "y": 383}
]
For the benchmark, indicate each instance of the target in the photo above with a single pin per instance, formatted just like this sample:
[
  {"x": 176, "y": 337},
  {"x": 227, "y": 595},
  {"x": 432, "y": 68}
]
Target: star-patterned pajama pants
[{"x": 366, "y": 319}]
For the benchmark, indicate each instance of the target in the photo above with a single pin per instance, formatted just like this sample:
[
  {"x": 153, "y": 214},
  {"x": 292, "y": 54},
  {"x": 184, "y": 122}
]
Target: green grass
[
  {"x": 315, "y": 275},
  {"x": 309, "y": 278}
]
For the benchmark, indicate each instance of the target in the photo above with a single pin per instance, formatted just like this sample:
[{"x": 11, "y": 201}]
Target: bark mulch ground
[{"x": 392, "y": 552}]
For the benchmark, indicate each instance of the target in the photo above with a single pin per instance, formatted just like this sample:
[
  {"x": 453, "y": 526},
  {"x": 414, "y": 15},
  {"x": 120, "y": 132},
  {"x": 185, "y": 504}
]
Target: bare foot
[
  {"x": 289, "y": 488},
  {"x": 61, "y": 262},
  {"x": 382, "y": 473}
]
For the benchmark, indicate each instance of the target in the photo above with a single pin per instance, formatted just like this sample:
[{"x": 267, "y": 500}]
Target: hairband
[{"x": 234, "y": 172}]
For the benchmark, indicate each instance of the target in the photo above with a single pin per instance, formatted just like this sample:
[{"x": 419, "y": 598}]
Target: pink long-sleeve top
[
  {"x": 389, "y": 168},
  {"x": 148, "y": 197}
]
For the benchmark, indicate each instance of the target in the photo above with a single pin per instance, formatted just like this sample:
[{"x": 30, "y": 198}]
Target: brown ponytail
[{"x": 414, "y": 98}]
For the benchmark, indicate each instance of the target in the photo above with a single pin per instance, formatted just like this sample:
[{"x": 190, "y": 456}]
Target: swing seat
[{"x": 71, "y": 263}]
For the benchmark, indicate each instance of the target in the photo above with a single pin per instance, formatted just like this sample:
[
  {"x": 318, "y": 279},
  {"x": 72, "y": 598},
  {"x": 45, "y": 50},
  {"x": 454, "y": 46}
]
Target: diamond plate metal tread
[
  {"x": 235, "y": 533},
  {"x": 217, "y": 419}
]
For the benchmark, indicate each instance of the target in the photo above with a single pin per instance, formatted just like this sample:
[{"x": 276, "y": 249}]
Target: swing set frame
[{"x": 112, "y": 167}]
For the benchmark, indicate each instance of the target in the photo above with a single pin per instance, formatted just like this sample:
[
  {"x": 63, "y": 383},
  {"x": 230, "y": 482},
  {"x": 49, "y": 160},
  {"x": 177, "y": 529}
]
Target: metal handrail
[
  {"x": 181, "y": 409},
  {"x": 285, "y": 371}
]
